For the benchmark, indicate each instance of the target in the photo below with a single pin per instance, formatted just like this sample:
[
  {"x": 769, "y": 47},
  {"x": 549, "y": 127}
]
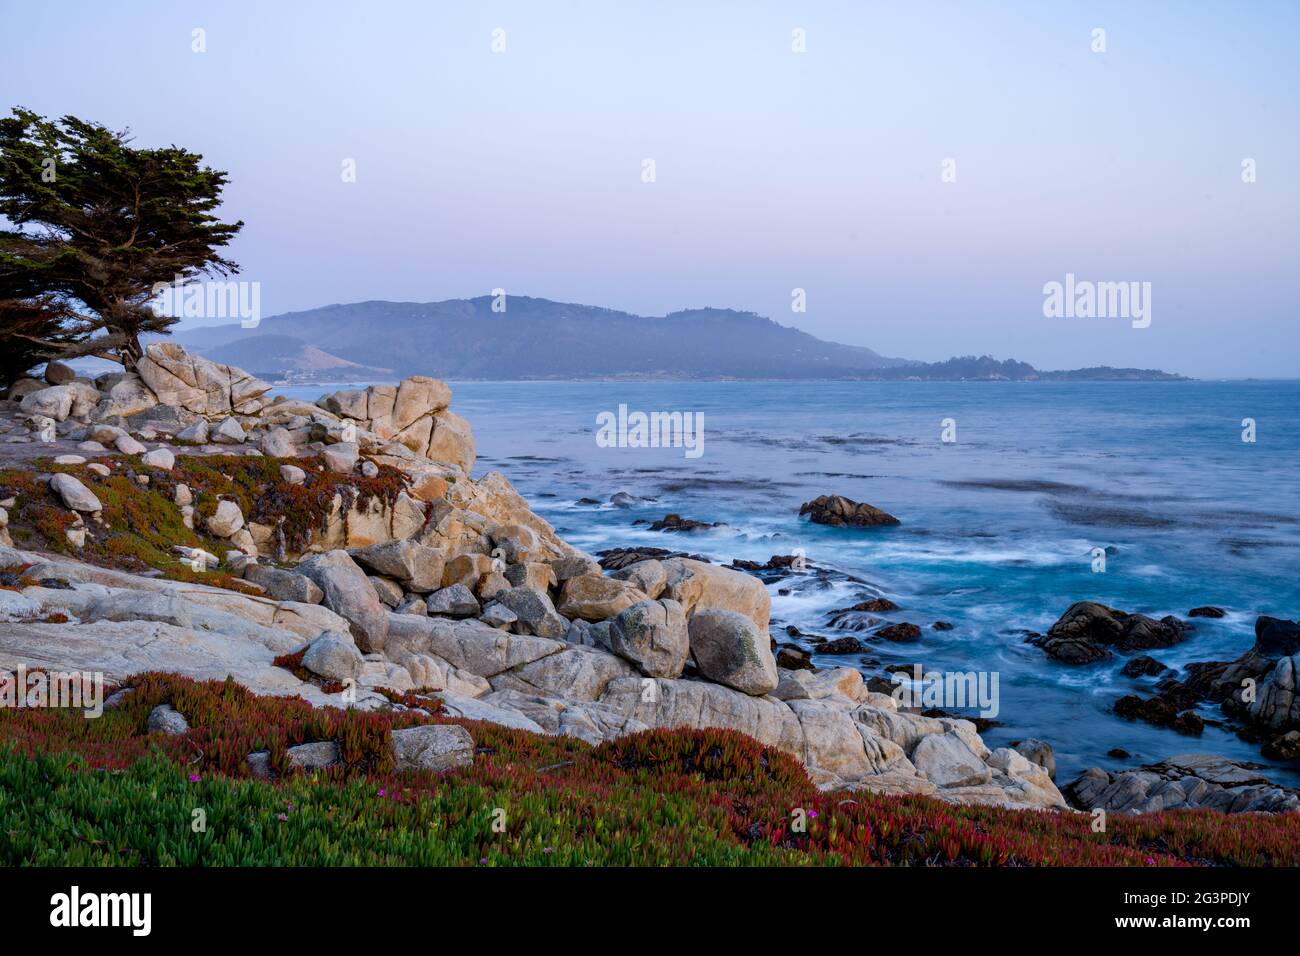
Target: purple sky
[{"x": 775, "y": 170}]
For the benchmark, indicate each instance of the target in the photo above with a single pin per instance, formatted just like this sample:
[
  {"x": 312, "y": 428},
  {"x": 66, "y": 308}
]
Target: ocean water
[{"x": 997, "y": 528}]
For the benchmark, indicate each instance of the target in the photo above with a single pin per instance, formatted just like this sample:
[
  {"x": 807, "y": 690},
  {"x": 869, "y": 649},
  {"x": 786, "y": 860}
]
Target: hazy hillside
[
  {"x": 986, "y": 368},
  {"x": 540, "y": 339},
  {"x": 535, "y": 338}
]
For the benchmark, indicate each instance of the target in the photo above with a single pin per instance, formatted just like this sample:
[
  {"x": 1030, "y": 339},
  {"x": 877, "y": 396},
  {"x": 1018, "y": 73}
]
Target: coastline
[{"x": 854, "y": 673}]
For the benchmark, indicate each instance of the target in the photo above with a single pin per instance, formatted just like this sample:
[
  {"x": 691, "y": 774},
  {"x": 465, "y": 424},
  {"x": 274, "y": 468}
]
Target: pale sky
[{"x": 775, "y": 170}]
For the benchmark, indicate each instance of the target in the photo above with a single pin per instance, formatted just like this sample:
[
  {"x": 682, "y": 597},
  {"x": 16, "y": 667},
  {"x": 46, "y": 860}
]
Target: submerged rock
[
  {"x": 1142, "y": 666},
  {"x": 675, "y": 522},
  {"x": 840, "y": 645},
  {"x": 1160, "y": 712},
  {"x": 792, "y": 657},
  {"x": 860, "y": 616},
  {"x": 902, "y": 632}
]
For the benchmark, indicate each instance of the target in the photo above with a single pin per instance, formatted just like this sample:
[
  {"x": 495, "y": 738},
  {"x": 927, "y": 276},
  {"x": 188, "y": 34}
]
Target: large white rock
[
  {"x": 159, "y": 458},
  {"x": 471, "y": 709},
  {"x": 659, "y": 702},
  {"x": 946, "y": 760},
  {"x": 126, "y": 397},
  {"x": 120, "y": 649},
  {"x": 695, "y": 584},
  {"x": 278, "y": 443},
  {"x": 348, "y": 592},
  {"x": 74, "y": 494},
  {"x": 470, "y": 645},
  {"x": 836, "y": 750},
  {"x": 432, "y": 672},
  {"x": 573, "y": 673},
  {"x": 653, "y": 636},
  {"x": 729, "y": 649},
  {"x": 341, "y": 458},
  {"x": 333, "y": 656},
  {"x": 53, "y": 402},
  {"x": 128, "y": 445},
  {"x": 418, "y": 567},
  {"x": 226, "y": 520},
  {"x": 843, "y": 682},
  {"x": 435, "y": 747},
  {"x": 197, "y": 384},
  {"x": 228, "y": 432}
]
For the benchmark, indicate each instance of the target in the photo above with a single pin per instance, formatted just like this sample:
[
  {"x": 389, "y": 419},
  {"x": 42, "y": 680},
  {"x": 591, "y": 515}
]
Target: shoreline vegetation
[
  {"x": 109, "y": 793},
  {"x": 314, "y": 604}
]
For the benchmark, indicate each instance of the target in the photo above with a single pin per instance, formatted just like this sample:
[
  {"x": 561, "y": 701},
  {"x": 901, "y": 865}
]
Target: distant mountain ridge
[
  {"x": 540, "y": 339},
  {"x": 985, "y": 368}
]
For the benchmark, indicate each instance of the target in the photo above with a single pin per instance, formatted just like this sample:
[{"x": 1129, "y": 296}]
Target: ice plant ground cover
[
  {"x": 142, "y": 525},
  {"x": 105, "y": 792}
]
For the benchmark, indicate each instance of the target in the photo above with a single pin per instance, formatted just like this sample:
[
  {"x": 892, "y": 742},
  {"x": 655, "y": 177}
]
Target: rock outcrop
[
  {"x": 1088, "y": 631},
  {"x": 840, "y": 512},
  {"x": 1186, "y": 781},
  {"x": 418, "y": 578},
  {"x": 1257, "y": 692}
]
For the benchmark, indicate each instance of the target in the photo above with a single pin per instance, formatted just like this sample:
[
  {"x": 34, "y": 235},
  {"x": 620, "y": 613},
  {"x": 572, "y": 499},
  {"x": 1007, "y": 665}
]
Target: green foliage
[
  {"x": 142, "y": 524},
  {"x": 30, "y": 331},
  {"x": 737, "y": 761},
  {"x": 97, "y": 223},
  {"x": 100, "y": 792}
]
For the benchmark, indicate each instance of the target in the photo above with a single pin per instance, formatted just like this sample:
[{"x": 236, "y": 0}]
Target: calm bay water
[{"x": 996, "y": 531}]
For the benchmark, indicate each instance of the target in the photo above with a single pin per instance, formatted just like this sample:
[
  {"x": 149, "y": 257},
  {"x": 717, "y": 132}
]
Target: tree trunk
[{"x": 130, "y": 353}]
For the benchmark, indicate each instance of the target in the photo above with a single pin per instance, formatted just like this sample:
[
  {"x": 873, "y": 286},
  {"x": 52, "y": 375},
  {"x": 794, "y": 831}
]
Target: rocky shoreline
[{"x": 341, "y": 552}]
